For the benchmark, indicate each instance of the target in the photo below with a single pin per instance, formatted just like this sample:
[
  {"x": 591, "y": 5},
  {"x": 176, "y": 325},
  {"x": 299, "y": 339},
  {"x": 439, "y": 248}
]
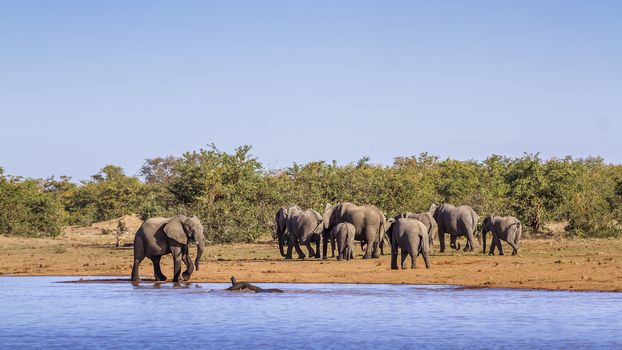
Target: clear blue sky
[{"x": 88, "y": 83}]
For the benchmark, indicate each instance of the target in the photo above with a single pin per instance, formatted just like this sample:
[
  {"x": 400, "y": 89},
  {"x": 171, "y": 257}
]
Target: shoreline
[
  {"x": 542, "y": 264},
  {"x": 124, "y": 279}
]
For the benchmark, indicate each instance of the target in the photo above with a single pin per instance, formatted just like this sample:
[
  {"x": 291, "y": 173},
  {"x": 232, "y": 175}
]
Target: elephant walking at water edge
[
  {"x": 507, "y": 228},
  {"x": 161, "y": 236}
]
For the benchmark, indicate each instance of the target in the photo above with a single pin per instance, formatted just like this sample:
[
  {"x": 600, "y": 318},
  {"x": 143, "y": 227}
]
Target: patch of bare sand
[{"x": 103, "y": 233}]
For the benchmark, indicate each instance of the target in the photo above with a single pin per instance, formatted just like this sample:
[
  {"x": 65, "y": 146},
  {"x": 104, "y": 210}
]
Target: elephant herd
[
  {"x": 339, "y": 225},
  {"x": 411, "y": 233}
]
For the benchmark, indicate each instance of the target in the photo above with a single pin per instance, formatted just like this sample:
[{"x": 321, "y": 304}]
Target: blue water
[{"x": 37, "y": 312}]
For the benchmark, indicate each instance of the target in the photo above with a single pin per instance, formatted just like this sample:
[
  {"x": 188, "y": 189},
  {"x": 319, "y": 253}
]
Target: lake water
[{"x": 38, "y": 312}]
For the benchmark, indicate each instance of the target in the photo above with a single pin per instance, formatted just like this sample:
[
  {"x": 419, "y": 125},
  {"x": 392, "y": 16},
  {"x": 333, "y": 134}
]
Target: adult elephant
[
  {"x": 411, "y": 237},
  {"x": 304, "y": 227},
  {"x": 368, "y": 221},
  {"x": 457, "y": 221},
  {"x": 426, "y": 219},
  {"x": 507, "y": 228},
  {"x": 160, "y": 236}
]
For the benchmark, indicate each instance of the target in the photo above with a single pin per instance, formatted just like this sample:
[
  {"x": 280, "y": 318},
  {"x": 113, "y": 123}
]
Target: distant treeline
[{"x": 236, "y": 198}]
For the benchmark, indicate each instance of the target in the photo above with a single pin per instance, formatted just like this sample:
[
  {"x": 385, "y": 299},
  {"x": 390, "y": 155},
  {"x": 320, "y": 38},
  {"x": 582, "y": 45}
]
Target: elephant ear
[
  {"x": 174, "y": 230},
  {"x": 487, "y": 222},
  {"x": 389, "y": 225},
  {"x": 389, "y": 229},
  {"x": 280, "y": 218}
]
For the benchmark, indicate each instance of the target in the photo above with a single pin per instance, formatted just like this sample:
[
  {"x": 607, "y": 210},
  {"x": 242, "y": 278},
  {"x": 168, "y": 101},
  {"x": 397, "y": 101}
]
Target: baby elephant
[
  {"x": 344, "y": 234},
  {"x": 506, "y": 228},
  {"x": 411, "y": 236}
]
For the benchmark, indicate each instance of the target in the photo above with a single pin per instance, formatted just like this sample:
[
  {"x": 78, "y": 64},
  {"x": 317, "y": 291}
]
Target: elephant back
[{"x": 409, "y": 225}]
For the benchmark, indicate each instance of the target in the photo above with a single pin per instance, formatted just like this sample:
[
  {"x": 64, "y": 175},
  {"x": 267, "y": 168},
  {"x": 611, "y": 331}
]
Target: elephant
[
  {"x": 425, "y": 219},
  {"x": 160, "y": 236},
  {"x": 344, "y": 234},
  {"x": 304, "y": 227},
  {"x": 368, "y": 221},
  {"x": 507, "y": 228},
  {"x": 411, "y": 236},
  {"x": 457, "y": 221}
]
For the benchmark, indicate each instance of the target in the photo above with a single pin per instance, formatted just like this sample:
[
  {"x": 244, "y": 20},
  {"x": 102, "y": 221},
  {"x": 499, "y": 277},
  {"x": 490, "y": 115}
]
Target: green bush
[
  {"x": 236, "y": 198},
  {"x": 26, "y": 209}
]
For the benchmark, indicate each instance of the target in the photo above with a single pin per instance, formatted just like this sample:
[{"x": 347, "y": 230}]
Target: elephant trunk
[
  {"x": 281, "y": 238},
  {"x": 200, "y": 248},
  {"x": 484, "y": 241}
]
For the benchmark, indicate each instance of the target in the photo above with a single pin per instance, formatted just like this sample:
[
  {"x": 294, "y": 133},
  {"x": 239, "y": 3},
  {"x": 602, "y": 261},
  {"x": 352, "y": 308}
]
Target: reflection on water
[{"x": 36, "y": 312}]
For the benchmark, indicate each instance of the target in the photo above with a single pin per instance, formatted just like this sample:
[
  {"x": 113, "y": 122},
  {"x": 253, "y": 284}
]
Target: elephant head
[
  {"x": 182, "y": 229},
  {"x": 280, "y": 226},
  {"x": 486, "y": 227}
]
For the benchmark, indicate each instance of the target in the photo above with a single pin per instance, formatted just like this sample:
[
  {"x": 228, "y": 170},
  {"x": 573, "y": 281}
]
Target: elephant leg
[
  {"x": 176, "y": 252},
  {"x": 310, "y": 249},
  {"x": 290, "y": 246},
  {"x": 381, "y": 245},
  {"x": 413, "y": 256},
  {"x": 376, "y": 251},
  {"x": 469, "y": 246},
  {"x": 394, "y": 256},
  {"x": 426, "y": 258},
  {"x": 332, "y": 247},
  {"x": 294, "y": 241},
  {"x": 325, "y": 239},
  {"x": 189, "y": 265},
  {"x": 293, "y": 244},
  {"x": 368, "y": 249},
  {"x": 159, "y": 276},
  {"x": 404, "y": 256},
  {"x": 317, "y": 249},
  {"x": 136, "y": 267},
  {"x": 493, "y": 244},
  {"x": 340, "y": 248},
  {"x": 511, "y": 241},
  {"x": 441, "y": 239},
  {"x": 499, "y": 246},
  {"x": 514, "y": 247}
]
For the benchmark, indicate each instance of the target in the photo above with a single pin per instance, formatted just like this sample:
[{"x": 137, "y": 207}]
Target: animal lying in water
[{"x": 247, "y": 287}]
